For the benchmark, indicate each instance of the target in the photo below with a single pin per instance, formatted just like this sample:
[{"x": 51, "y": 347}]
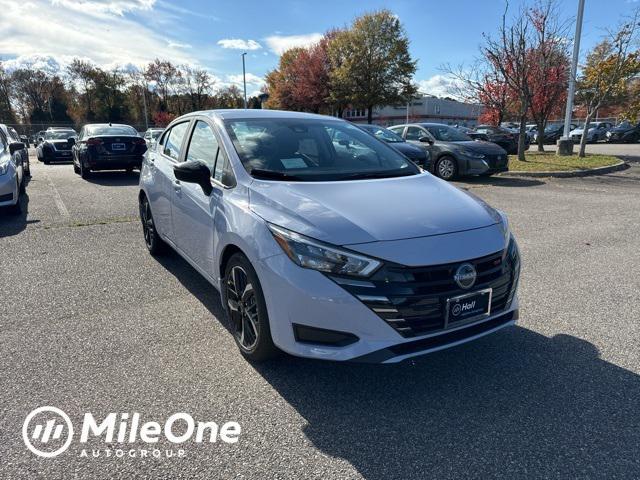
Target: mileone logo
[{"x": 48, "y": 431}]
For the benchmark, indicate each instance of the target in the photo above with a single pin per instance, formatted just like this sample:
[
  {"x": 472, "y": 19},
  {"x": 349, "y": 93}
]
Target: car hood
[
  {"x": 406, "y": 148},
  {"x": 365, "y": 211}
]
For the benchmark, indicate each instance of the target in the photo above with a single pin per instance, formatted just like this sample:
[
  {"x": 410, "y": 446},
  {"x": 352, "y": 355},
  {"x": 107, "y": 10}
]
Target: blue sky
[{"x": 212, "y": 34}]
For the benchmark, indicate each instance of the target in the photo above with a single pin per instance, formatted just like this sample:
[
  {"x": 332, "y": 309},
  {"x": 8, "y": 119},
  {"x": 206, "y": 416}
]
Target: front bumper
[
  {"x": 8, "y": 189},
  {"x": 53, "y": 155},
  {"x": 301, "y": 297},
  {"x": 488, "y": 165}
]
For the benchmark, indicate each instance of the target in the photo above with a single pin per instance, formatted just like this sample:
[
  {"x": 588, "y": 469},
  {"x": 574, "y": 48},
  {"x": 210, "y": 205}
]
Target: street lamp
[
  {"x": 565, "y": 146},
  {"x": 244, "y": 80}
]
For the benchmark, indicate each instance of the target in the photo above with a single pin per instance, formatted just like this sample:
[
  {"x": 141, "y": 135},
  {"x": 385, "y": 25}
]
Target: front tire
[
  {"x": 152, "y": 240},
  {"x": 246, "y": 307},
  {"x": 84, "y": 172},
  {"x": 446, "y": 168}
]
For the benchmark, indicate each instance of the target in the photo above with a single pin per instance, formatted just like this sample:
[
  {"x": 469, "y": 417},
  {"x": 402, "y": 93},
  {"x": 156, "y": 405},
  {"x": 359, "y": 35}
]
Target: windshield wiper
[
  {"x": 273, "y": 174},
  {"x": 367, "y": 175}
]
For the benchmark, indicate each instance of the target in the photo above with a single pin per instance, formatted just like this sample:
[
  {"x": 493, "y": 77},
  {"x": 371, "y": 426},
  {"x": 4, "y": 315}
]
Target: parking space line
[{"x": 57, "y": 198}]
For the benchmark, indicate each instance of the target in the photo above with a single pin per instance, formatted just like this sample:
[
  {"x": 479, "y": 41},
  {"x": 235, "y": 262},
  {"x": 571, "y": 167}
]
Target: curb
[{"x": 622, "y": 165}]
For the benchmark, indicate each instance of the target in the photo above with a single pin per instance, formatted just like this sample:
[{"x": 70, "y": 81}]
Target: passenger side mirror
[
  {"x": 425, "y": 139},
  {"x": 15, "y": 146},
  {"x": 194, "y": 171}
]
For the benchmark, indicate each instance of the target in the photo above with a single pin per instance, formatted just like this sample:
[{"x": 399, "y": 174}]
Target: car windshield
[
  {"x": 313, "y": 150},
  {"x": 383, "y": 134},
  {"x": 625, "y": 125},
  {"x": 444, "y": 133},
  {"x": 112, "y": 130},
  {"x": 59, "y": 134},
  {"x": 155, "y": 133},
  {"x": 552, "y": 128}
]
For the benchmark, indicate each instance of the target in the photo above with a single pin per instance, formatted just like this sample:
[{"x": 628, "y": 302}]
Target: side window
[
  {"x": 3, "y": 141},
  {"x": 203, "y": 145},
  {"x": 174, "y": 139},
  {"x": 221, "y": 164},
  {"x": 399, "y": 129},
  {"x": 414, "y": 133}
]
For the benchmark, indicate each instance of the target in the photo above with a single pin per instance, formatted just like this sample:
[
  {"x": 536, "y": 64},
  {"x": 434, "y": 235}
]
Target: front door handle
[{"x": 176, "y": 186}]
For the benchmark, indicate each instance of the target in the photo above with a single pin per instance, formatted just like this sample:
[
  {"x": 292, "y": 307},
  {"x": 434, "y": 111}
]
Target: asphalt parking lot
[{"x": 91, "y": 323}]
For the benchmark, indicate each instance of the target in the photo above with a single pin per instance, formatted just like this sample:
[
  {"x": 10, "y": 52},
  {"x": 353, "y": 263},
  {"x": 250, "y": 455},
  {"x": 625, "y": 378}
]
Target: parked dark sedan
[
  {"x": 452, "y": 152},
  {"x": 102, "y": 146},
  {"x": 473, "y": 134},
  {"x": 503, "y": 137},
  {"x": 625, "y": 132},
  {"x": 417, "y": 155},
  {"x": 55, "y": 146},
  {"x": 553, "y": 132}
]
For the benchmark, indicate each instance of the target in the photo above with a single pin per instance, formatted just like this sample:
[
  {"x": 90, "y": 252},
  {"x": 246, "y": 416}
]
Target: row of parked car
[{"x": 624, "y": 132}]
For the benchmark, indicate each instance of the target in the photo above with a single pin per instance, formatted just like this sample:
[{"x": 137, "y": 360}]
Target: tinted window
[
  {"x": 313, "y": 150},
  {"x": 174, "y": 139},
  {"x": 203, "y": 145},
  {"x": 414, "y": 133},
  {"x": 3, "y": 141},
  {"x": 111, "y": 130},
  {"x": 447, "y": 134}
]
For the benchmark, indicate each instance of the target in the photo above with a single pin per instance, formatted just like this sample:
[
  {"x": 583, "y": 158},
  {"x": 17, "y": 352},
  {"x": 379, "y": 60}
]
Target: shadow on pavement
[
  {"x": 114, "y": 178},
  {"x": 195, "y": 283},
  {"x": 513, "y": 405},
  {"x": 502, "y": 181},
  {"x": 13, "y": 224}
]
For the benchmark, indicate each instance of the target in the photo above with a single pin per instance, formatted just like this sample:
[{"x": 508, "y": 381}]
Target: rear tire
[
  {"x": 446, "y": 168},
  {"x": 152, "y": 240},
  {"x": 84, "y": 172},
  {"x": 245, "y": 305}
]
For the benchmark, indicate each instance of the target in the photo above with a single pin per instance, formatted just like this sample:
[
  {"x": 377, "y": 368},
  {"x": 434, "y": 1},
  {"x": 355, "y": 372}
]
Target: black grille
[
  {"x": 496, "y": 161},
  {"x": 412, "y": 300}
]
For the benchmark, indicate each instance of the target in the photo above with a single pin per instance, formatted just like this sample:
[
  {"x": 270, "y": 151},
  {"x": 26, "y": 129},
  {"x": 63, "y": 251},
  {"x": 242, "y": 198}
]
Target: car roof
[
  {"x": 107, "y": 125},
  {"x": 249, "y": 113}
]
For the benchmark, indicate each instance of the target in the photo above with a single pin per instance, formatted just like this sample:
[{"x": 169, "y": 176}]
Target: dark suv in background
[{"x": 55, "y": 145}]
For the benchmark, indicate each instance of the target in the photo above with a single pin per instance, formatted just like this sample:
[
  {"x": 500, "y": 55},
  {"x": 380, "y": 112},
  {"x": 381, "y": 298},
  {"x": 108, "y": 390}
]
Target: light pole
[
  {"x": 565, "y": 147},
  {"x": 244, "y": 80}
]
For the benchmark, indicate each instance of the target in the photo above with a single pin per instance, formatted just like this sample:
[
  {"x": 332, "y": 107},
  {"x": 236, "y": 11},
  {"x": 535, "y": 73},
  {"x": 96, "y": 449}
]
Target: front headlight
[
  {"x": 504, "y": 226},
  {"x": 472, "y": 154},
  {"x": 309, "y": 253},
  {"x": 4, "y": 168}
]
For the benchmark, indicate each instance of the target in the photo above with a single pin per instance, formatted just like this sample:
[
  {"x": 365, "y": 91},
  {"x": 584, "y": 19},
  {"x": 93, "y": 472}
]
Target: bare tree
[
  {"x": 548, "y": 65},
  {"x": 197, "y": 85},
  {"x": 509, "y": 55}
]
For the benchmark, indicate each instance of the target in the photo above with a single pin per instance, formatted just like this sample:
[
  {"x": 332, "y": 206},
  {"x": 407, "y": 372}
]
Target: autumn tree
[
  {"x": 548, "y": 66},
  {"x": 608, "y": 70},
  {"x": 509, "y": 54},
  {"x": 370, "y": 62},
  {"x": 165, "y": 78}
]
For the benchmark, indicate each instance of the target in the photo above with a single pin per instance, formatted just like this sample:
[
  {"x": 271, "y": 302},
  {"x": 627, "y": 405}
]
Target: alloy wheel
[
  {"x": 243, "y": 308},
  {"x": 148, "y": 228},
  {"x": 446, "y": 168}
]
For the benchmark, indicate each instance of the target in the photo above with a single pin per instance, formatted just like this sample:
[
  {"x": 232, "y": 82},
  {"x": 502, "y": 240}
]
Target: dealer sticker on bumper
[{"x": 468, "y": 306}]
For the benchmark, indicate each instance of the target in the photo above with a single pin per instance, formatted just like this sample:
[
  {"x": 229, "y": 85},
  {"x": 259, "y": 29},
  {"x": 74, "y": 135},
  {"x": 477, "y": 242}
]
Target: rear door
[
  {"x": 193, "y": 210},
  {"x": 161, "y": 162}
]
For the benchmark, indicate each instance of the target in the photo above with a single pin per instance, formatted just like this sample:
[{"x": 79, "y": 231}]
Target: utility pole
[
  {"x": 565, "y": 146},
  {"x": 244, "y": 80},
  {"x": 144, "y": 105}
]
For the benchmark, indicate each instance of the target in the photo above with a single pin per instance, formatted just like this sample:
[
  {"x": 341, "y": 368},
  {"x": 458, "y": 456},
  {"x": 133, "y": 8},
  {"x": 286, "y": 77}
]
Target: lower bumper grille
[{"x": 412, "y": 300}]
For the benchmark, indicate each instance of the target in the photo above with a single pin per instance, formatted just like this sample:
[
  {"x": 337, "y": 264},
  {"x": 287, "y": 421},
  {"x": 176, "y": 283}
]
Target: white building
[{"x": 423, "y": 109}]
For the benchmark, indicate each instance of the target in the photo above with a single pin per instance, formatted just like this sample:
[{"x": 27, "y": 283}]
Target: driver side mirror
[
  {"x": 71, "y": 141},
  {"x": 194, "y": 171},
  {"x": 425, "y": 139},
  {"x": 15, "y": 146}
]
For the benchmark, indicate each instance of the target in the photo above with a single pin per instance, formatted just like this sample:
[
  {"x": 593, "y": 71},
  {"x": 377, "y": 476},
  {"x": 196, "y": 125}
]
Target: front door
[{"x": 193, "y": 209}]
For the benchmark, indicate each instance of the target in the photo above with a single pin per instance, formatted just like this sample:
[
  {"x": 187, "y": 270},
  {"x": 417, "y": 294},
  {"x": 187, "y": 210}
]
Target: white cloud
[
  {"x": 172, "y": 44},
  {"x": 239, "y": 44},
  {"x": 59, "y": 33},
  {"x": 281, "y": 43},
  {"x": 439, "y": 85},
  {"x": 251, "y": 79},
  {"x": 98, "y": 7}
]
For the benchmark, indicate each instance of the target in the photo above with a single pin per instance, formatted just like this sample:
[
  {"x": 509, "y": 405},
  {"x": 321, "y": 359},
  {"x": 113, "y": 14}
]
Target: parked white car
[{"x": 597, "y": 131}]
